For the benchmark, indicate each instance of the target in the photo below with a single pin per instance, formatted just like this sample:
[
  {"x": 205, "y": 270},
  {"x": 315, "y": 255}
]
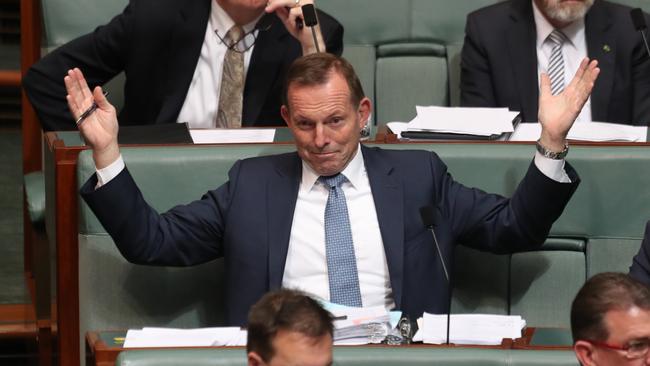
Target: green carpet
[{"x": 12, "y": 284}]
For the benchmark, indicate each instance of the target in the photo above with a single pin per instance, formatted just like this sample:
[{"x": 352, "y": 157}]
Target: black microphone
[
  {"x": 638, "y": 19},
  {"x": 430, "y": 217},
  {"x": 310, "y": 19}
]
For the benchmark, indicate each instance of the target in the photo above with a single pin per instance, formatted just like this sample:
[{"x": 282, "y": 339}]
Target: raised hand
[
  {"x": 99, "y": 129},
  {"x": 558, "y": 112},
  {"x": 288, "y": 11}
]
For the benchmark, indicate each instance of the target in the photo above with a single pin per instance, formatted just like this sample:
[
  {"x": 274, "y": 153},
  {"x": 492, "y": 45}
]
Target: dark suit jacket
[
  {"x": 499, "y": 62},
  {"x": 640, "y": 268},
  {"x": 248, "y": 221},
  {"x": 157, "y": 44}
]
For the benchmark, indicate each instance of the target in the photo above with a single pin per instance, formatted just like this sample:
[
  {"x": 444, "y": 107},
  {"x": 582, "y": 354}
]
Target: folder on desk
[
  {"x": 461, "y": 123},
  {"x": 163, "y": 133}
]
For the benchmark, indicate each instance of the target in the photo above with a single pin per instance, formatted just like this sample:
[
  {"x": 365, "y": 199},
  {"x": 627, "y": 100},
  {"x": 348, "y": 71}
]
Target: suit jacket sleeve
[
  {"x": 500, "y": 225},
  {"x": 100, "y": 55},
  {"x": 332, "y": 32},
  {"x": 185, "y": 235},
  {"x": 640, "y": 268},
  {"x": 475, "y": 82},
  {"x": 641, "y": 84}
]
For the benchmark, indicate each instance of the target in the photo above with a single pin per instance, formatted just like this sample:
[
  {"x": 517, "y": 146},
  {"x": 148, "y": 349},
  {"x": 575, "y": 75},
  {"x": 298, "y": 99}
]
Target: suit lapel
[
  {"x": 263, "y": 69},
  {"x": 282, "y": 195},
  {"x": 388, "y": 197},
  {"x": 601, "y": 45},
  {"x": 521, "y": 38},
  {"x": 187, "y": 39}
]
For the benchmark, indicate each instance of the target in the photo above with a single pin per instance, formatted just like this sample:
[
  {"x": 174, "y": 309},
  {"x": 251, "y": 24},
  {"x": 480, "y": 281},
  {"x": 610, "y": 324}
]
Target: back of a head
[
  {"x": 602, "y": 293},
  {"x": 316, "y": 69},
  {"x": 285, "y": 310}
]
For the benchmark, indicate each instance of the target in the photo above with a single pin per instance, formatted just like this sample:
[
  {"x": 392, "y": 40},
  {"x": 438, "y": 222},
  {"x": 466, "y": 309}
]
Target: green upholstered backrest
[
  {"x": 600, "y": 230},
  {"x": 64, "y": 20},
  {"x": 360, "y": 356}
]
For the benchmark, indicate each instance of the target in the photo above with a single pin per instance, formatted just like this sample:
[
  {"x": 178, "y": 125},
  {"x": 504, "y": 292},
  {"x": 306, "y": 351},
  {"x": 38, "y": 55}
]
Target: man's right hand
[{"x": 99, "y": 129}]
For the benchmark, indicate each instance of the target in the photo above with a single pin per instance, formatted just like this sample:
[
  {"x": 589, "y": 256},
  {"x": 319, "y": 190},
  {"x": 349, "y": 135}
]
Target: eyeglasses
[
  {"x": 633, "y": 350},
  {"x": 247, "y": 41}
]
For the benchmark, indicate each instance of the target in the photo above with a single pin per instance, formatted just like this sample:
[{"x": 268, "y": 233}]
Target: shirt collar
[
  {"x": 574, "y": 31},
  {"x": 354, "y": 172},
  {"x": 221, "y": 22}
]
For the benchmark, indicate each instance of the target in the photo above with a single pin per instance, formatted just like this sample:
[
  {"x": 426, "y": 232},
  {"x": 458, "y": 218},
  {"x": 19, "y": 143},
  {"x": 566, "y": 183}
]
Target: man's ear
[
  {"x": 365, "y": 106},
  {"x": 284, "y": 112},
  {"x": 254, "y": 359},
  {"x": 584, "y": 353}
]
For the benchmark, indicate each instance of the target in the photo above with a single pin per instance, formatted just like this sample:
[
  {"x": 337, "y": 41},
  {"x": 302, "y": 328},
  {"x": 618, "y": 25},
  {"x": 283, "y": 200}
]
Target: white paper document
[
  {"x": 232, "y": 135},
  {"x": 173, "y": 337},
  {"x": 463, "y": 120},
  {"x": 355, "y": 326},
  {"x": 483, "y": 329},
  {"x": 586, "y": 131}
]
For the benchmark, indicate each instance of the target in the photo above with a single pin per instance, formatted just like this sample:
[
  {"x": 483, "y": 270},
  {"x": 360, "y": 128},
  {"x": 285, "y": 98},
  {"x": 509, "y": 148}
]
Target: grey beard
[{"x": 568, "y": 14}]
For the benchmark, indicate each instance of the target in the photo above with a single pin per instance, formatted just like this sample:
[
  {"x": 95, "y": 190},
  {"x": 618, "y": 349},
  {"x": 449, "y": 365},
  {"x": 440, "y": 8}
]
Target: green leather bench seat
[
  {"x": 360, "y": 356},
  {"x": 600, "y": 230},
  {"x": 35, "y": 196}
]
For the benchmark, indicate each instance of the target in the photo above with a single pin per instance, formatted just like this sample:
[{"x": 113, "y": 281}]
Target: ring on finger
[{"x": 296, "y": 3}]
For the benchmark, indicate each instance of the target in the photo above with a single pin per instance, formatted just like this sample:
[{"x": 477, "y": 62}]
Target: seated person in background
[
  {"x": 173, "y": 53},
  {"x": 610, "y": 321},
  {"x": 335, "y": 219},
  {"x": 509, "y": 44},
  {"x": 286, "y": 328},
  {"x": 640, "y": 268}
]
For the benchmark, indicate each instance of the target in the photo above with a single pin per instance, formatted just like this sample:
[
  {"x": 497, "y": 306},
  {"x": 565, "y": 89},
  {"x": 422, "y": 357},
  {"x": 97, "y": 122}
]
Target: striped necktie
[{"x": 555, "y": 68}]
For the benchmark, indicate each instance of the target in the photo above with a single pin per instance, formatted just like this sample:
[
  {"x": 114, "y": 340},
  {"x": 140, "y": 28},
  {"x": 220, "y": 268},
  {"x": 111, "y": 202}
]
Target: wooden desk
[{"x": 103, "y": 347}]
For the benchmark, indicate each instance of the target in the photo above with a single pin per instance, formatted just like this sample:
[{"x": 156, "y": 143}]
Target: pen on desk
[
  {"x": 342, "y": 317},
  {"x": 88, "y": 111}
]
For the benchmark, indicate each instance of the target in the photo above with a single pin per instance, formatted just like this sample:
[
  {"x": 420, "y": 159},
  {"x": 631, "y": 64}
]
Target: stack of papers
[
  {"x": 586, "y": 131},
  {"x": 480, "y": 329},
  {"x": 353, "y": 326},
  {"x": 459, "y": 120},
  {"x": 172, "y": 337}
]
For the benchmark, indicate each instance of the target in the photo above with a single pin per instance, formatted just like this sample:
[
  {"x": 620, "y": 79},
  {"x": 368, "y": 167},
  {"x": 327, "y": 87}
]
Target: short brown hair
[
  {"x": 316, "y": 69},
  {"x": 288, "y": 310},
  {"x": 602, "y": 293}
]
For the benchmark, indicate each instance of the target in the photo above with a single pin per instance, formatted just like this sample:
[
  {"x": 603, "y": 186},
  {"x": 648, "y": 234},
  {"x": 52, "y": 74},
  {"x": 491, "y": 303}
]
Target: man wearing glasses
[
  {"x": 610, "y": 321},
  {"x": 211, "y": 63}
]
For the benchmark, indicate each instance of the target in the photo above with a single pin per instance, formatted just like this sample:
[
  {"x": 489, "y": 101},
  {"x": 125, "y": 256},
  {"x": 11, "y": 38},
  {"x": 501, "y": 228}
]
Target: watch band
[{"x": 552, "y": 154}]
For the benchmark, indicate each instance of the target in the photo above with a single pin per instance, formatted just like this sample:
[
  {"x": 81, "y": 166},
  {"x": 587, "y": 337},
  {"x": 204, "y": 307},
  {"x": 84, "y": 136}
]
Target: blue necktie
[{"x": 339, "y": 249}]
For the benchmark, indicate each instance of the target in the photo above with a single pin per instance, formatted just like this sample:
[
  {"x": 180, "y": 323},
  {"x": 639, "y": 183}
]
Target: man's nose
[{"x": 321, "y": 138}]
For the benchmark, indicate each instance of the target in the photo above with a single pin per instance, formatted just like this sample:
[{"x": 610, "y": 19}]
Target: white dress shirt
[
  {"x": 306, "y": 263},
  {"x": 574, "y": 50},
  {"x": 202, "y": 99}
]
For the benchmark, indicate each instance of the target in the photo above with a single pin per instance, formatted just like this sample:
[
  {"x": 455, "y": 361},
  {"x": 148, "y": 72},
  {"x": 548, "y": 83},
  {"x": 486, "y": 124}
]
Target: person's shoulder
[
  {"x": 267, "y": 163},
  {"x": 399, "y": 157},
  {"x": 493, "y": 11}
]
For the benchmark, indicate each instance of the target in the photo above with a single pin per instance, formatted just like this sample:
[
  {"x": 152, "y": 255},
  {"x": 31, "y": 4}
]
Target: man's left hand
[
  {"x": 289, "y": 11},
  {"x": 558, "y": 112}
]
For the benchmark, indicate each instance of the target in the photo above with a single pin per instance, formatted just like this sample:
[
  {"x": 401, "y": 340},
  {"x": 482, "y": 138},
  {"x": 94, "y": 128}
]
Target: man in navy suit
[
  {"x": 640, "y": 268},
  {"x": 172, "y": 53},
  {"x": 270, "y": 220},
  {"x": 508, "y": 44}
]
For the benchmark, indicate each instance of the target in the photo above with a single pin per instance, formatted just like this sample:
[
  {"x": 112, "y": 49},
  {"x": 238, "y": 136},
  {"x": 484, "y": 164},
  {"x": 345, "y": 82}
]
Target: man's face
[
  {"x": 296, "y": 349},
  {"x": 564, "y": 12},
  {"x": 325, "y": 123},
  {"x": 626, "y": 328}
]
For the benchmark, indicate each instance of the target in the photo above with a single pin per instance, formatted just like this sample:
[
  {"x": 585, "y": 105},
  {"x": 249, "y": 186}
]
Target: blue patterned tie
[{"x": 339, "y": 249}]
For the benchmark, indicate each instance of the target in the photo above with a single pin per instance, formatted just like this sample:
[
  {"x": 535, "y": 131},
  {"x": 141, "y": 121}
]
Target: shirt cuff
[
  {"x": 553, "y": 169},
  {"x": 107, "y": 174}
]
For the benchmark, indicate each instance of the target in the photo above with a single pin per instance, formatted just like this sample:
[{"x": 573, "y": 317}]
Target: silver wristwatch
[{"x": 552, "y": 154}]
